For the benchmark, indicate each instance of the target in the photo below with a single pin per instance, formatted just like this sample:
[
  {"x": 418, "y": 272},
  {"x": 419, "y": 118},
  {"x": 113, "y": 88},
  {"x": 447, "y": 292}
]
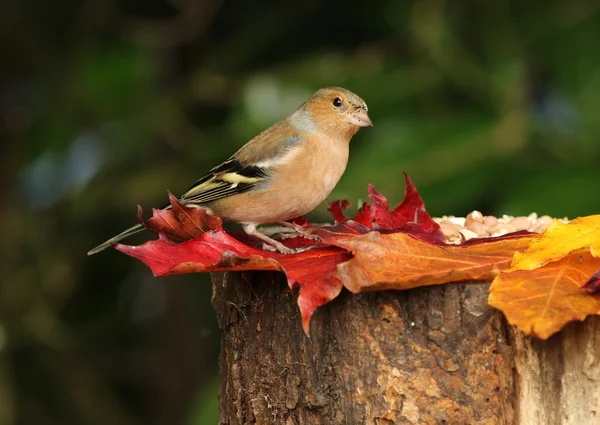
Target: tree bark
[{"x": 435, "y": 355}]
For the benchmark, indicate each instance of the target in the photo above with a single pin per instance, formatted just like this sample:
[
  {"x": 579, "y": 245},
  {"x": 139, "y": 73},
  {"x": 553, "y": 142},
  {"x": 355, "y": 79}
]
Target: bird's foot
[
  {"x": 301, "y": 231},
  {"x": 278, "y": 247},
  {"x": 286, "y": 250}
]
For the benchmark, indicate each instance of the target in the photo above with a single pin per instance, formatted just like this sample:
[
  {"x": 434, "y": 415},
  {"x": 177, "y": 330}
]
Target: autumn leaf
[
  {"x": 401, "y": 248},
  {"x": 400, "y": 261},
  {"x": 180, "y": 222},
  {"x": 312, "y": 271},
  {"x": 541, "y": 301},
  {"x": 560, "y": 240},
  {"x": 409, "y": 216},
  {"x": 212, "y": 249},
  {"x": 552, "y": 282},
  {"x": 208, "y": 248},
  {"x": 336, "y": 209}
]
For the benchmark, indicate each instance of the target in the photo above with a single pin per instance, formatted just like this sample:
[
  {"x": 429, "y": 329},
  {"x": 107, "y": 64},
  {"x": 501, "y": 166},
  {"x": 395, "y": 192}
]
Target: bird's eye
[{"x": 337, "y": 102}]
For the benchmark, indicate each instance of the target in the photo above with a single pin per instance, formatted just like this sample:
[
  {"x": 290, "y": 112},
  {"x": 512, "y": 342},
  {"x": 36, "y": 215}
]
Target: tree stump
[{"x": 435, "y": 355}]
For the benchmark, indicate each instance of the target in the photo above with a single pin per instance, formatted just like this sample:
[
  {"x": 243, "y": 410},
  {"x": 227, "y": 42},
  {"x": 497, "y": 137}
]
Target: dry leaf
[
  {"x": 398, "y": 249},
  {"x": 399, "y": 261},
  {"x": 541, "y": 301},
  {"x": 209, "y": 248},
  {"x": 560, "y": 240}
]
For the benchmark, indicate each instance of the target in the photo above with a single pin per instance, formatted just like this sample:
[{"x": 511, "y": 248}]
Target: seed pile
[{"x": 475, "y": 225}]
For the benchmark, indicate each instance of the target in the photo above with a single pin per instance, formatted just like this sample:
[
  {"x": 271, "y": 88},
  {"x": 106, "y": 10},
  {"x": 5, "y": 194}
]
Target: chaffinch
[{"x": 284, "y": 172}]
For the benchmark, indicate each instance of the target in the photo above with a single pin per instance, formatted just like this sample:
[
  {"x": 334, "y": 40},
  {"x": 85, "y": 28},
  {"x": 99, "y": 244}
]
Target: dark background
[{"x": 491, "y": 105}]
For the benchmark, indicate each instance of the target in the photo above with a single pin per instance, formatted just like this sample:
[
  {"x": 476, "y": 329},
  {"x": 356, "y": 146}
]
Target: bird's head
[{"x": 336, "y": 110}]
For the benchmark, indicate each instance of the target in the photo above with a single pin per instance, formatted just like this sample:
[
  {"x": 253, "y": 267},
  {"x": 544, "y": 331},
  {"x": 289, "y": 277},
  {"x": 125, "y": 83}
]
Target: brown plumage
[{"x": 284, "y": 172}]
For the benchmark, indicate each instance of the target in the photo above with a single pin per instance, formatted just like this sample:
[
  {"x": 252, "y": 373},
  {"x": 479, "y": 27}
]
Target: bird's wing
[
  {"x": 229, "y": 178},
  {"x": 245, "y": 170}
]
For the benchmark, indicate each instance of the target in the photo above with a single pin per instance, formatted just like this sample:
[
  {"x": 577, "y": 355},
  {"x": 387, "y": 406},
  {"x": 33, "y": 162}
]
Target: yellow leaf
[{"x": 558, "y": 241}]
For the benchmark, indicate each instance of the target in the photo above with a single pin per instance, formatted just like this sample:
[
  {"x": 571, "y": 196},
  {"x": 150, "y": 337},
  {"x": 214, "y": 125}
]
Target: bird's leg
[{"x": 250, "y": 229}]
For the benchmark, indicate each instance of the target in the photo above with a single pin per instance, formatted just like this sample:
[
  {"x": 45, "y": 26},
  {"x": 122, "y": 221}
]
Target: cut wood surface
[{"x": 434, "y": 355}]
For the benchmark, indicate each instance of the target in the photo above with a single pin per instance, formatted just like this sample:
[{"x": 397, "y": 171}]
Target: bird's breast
[{"x": 317, "y": 171}]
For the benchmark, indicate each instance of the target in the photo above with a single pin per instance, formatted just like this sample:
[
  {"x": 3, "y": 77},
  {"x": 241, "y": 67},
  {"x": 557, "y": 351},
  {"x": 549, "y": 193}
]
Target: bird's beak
[{"x": 360, "y": 118}]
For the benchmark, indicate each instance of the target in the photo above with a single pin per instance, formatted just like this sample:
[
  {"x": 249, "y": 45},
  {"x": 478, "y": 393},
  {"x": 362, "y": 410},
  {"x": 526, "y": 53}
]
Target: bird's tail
[{"x": 111, "y": 241}]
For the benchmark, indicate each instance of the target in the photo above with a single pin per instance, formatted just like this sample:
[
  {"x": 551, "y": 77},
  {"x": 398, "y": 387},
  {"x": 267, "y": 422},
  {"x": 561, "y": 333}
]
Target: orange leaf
[
  {"x": 399, "y": 261},
  {"x": 541, "y": 301},
  {"x": 560, "y": 240}
]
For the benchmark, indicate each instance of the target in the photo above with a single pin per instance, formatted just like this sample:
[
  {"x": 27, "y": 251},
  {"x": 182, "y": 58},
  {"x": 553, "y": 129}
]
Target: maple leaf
[
  {"x": 398, "y": 249},
  {"x": 336, "y": 209},
  {"x": 180, "y": 222},
  {"x": 312, "y": 271},
  {"x": 409, "y": 216},
  {"x": 400, "y": 261},
  {"x": 560, "y": 240},
  {"x": 210, "y": 249},
  {"x": 541, "y": 301},
  {"x": 551, "y": 283}
]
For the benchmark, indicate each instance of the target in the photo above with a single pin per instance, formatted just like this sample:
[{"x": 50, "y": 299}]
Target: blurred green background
[{"x": 106, "y": 104}]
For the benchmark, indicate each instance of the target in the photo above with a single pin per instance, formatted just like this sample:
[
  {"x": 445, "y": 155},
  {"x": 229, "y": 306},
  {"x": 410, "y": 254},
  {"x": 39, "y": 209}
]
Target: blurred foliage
[{"x": 107, "y": 104}]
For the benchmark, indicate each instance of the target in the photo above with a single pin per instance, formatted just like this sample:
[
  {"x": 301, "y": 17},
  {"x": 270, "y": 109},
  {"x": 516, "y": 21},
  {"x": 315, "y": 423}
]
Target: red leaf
[
  {"x": 212, "y": 249},
  {"x": 209, "y": 248},
  {"x": 314, "y": 272},
  {"x": 347, "y": 247},
  {"x": 409, "y": 216},
  {"x": 366, "y": 215},
  {"x": 181, "y": 222},
  {"x": 336, "y": 208}
]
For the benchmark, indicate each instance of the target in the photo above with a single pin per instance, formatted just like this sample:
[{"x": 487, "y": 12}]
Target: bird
[{"x": 284, "y": 172}]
